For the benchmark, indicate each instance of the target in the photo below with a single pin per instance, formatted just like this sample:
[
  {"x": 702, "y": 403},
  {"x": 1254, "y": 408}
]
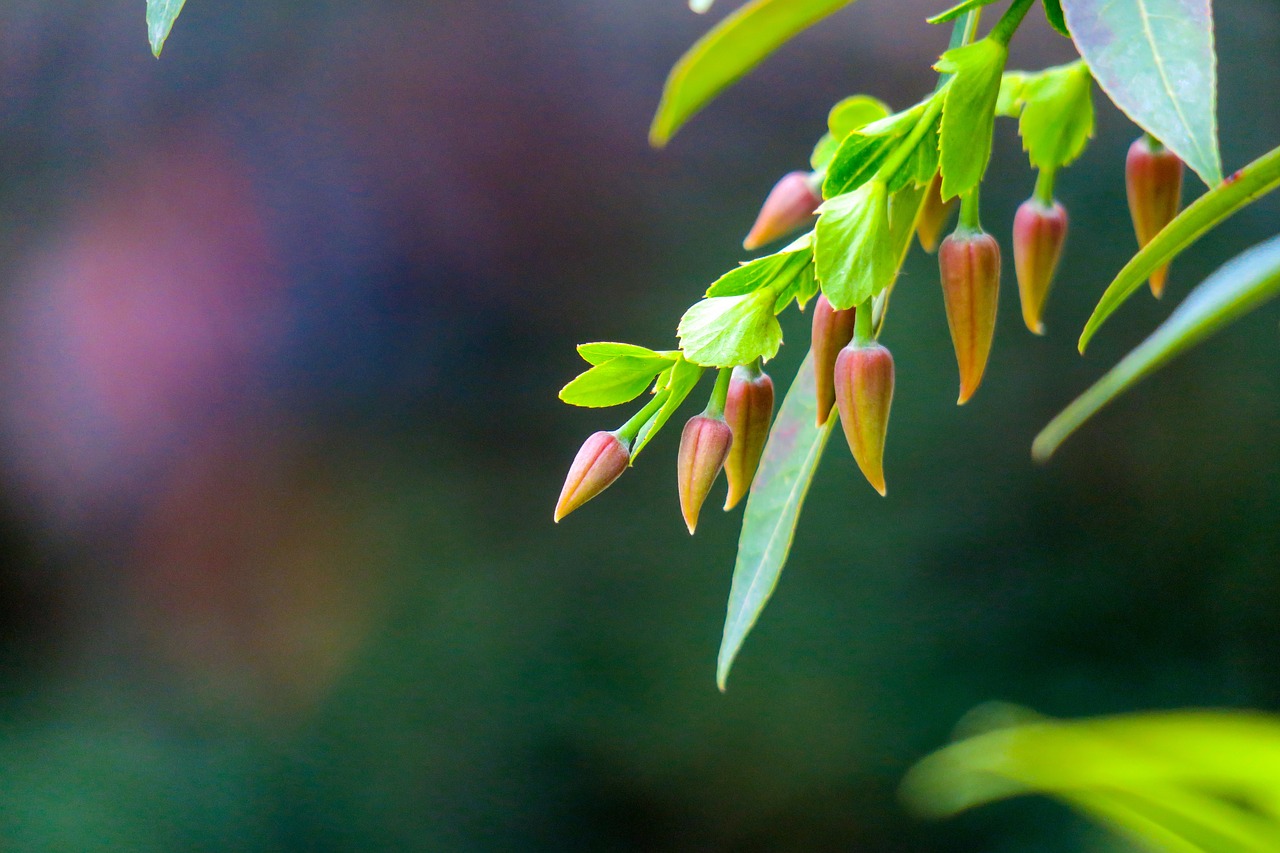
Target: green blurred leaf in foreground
[{"x": 160, "y": 17}]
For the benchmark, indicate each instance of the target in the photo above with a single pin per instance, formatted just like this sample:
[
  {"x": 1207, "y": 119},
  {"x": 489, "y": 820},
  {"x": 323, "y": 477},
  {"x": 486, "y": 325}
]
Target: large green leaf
[
  {"x": 736, "y": 45},
  {"x": 773, "y": 509},
  {"x": 160, "y": 17},
  {"x": 1241, "y": 285},
  {"x": 1241, "y": 189},
  {"x": 1155, "y": 59}
]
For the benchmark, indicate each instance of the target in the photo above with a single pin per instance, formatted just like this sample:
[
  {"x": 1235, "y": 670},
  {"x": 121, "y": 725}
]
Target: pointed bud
[
  {"x": 934, "y": 214},
  {"x": 790, "y": 204},
  {"x": 864, "y": 393},
  {"x": 748, "y": 410},
  {"x": 704, "y": 446},
  {"x": 970, "y": 267},
  {"x": 832, "y": 331},
  {"x": 1038, "y": 234},
  {"x": 1153, "y": 179},
  {"x": 600, "y": 461}
]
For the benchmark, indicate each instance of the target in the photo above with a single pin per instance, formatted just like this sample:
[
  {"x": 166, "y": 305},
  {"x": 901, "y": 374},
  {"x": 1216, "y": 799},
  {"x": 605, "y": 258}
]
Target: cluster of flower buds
[
  {"x": 1153, "y": 179},
  {"x": 864, "y": 393},
  {"x": 969, "y": 263},
  {"x": 790, "y": 204},
  {"x": 1039, "y": 232}
]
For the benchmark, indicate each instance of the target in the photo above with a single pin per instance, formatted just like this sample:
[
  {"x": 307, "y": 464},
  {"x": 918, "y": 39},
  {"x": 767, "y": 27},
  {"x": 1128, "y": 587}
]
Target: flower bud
[
  {"x": 864, "y": 392},
  {"x": 748, "y": 410},
  {"x": 970, "y": 267},
  {"x": 704, "y": 446},
  {"x": 934, "y": 214},
  {"x": 832, "y": 330},
  {"x": 790, "y": 204},
  {"x": 1153, "y": 179},
  {"x": 1039, "y": 231},
  {"x": 600, "y": 461}
]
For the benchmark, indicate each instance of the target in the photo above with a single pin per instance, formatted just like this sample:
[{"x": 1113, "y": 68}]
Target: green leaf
[
  {"x": 733, "y": 47},
  {"x": 802, "y": 285},
  {"x": 958, "y": 10},
  {"x": 1241, "y": 285},
  {"x": 1053, "y": 12},
  {"x": 852, "y": 246},
  {"x": 160, "y": 17},
  {"x": 922, "y": 162},
  {"x": 599, "y": 353},
  {"x": 678, "y": 381},
  {"x": 1012, "y": 87},
  {"x": 613, "y": 382},
  {"x": 1057, "y": 115},
  {"x": 1155, "y": 59},
  {"x": 786, "y": 471},
  {"x": 969, "y": 112},
  {"x": 864, "y": 151},
  {"x": 725, "y": 331},
  {"x": 1240, "y": 190},
  {"x": 854, "y": 113}
]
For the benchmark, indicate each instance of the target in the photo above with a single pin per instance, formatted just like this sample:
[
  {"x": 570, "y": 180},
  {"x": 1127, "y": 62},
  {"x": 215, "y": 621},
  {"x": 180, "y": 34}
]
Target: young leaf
[
  {"x": 1241, "y": 285},
  {"x": 677, "y": 381},
  {"x": 613, "y": 382},
  {"x": 969, "y": 112},
  {"x": 725, "y": 331},
  {"x": 736, "y": 45},
  {"x": 1155, "y": 59},
  {"x": 1240, "y": 190},
  {"x": 773, "y": 509},
  {"x": 1053, "y": 12},
  {"x": 849, "y": 115},
  {"x": 864, "y": 151},
  {"x": 1057, "y": 115},
  {"x": 763, "y": 271},
  {"x": 160, "y": 17},
  {"x": 852, "y": 246},
  {"x": 1012, "y": 90},
  {"x": 599, "y": 353}
]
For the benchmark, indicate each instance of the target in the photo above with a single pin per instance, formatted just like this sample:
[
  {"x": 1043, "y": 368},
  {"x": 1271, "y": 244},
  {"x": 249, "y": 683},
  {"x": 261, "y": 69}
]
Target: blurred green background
[{"x": 283, "y": 320}]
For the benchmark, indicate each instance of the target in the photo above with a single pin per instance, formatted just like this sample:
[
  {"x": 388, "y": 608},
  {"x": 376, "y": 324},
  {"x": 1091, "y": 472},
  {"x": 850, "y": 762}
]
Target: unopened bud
[
  {"x": 748, "y": 410},
  {"x": 790, "y": 204},
  {"x": 832, "y": 331},
  {"x": 600, "y": 461},
  {"x": 704, "y": 446},
  {"x": 1153, "y": 179},
  {"x": 934, "y": 214},
  {"x": 970, "y": 267},
  {"x": 1039, "y": 231},
  {"x": 864, "y": 393}
]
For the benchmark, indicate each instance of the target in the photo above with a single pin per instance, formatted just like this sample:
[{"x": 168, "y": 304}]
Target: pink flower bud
[
  {"x": 1038, "y": 234},
  {"x": 832, "y": 330},
  {"x": 704, "y": 446},
  {"x": 864, "y": 393},
  {"x": 599, "y": 462},
  {"x": 1153, "y": 179},
  {"x": 934, "y": 214},
  {"x": 748, "y": 410},
  {"x": 790, "y": 204},
  {"x": 970, "y": 267}
]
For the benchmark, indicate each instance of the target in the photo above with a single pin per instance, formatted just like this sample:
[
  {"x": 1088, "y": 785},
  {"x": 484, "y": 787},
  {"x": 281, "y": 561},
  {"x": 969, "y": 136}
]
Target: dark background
[{"x": 282, "y": 323}]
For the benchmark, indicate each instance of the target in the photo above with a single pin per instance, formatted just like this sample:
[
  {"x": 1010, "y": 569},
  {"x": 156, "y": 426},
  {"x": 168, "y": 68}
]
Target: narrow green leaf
[
  {"x": 1155, "y": 59},
  {"x": 725, "y": 331},
  {"x": 1053, "y": 11},
  {"x": 773, "y": 509},
  {"x": 613, "y": 382},
  {"x": 1240, "y": 190},
  {"x": 852, "y": 246},
  {"x": 958, "y": 10},
  {"x": 160, "y": 17},
  {"x": 678, "y": 380},
  {"x": 731, "y": 49},
  {"x": 1241, "y": 285},
  {"x": 599, "y": 353},
  {"x": 969, "y": 112}
]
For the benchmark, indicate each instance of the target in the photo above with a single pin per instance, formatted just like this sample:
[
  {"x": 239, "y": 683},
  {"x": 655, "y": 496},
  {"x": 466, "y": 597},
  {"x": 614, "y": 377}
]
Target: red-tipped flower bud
[
  {"x": 970, "y": 267},
  {"x": 748, "y": 410},
  {"x": 704, "y": 446},
  {"x": 600, "y": 461},
  {"x": 790, "y": 204},
  {"x": 1039, "y": 230},
  {"x": 934, "y": 214},
  {"x": 832, "y": 331},
  {"x": 1153, "y": 179},
  {"x": 864, "y": 393}
]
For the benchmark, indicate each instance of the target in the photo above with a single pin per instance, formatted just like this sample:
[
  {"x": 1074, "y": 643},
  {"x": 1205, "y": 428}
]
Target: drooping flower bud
[
  {"x": 748, "y": 410},
  {"x": 864, "y": 393},
  {"x": 704, "y": 446},
  {"x": 934, "y": 214},
  {"x": 601, "y": 460},
  {"x": 1153, "y": 179},
  {"x": 790, "y": 204},
  {"x": 1039, "y": 231},
  {"x": 970, "y": 267},
  {"x": 832, "y": 331}
]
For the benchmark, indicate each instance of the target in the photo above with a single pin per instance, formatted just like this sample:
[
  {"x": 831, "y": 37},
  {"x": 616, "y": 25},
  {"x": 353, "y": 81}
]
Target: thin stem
[
  {"x": 969, "y": 220},
  {"x": 1010, "y": 21},
  {"x": 627, "y": 432},
  {"x": 864, "y": 325},
  {"x": 715, "y": 406},
  {"x": 1044, "y": 186},
  {"x": 755, "y": 369},
  {"x": 962, "y": 33}
]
